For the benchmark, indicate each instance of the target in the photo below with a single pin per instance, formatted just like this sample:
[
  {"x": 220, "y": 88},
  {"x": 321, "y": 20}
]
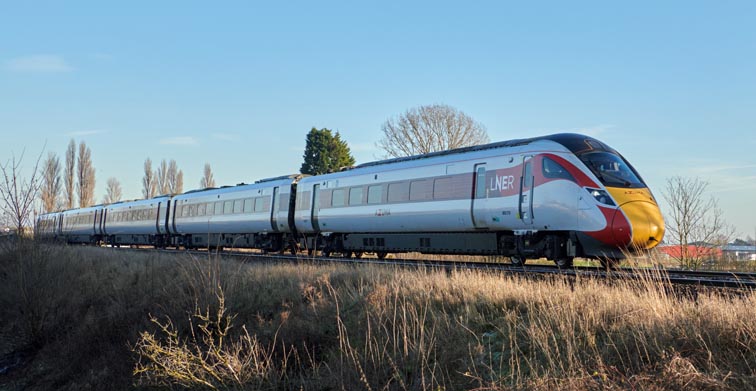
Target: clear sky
[{"x": 671, "y": 85}]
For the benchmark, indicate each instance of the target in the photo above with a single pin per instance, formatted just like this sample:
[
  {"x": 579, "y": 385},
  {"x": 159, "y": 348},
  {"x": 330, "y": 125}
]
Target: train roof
[{"x": 576, "y": 143}]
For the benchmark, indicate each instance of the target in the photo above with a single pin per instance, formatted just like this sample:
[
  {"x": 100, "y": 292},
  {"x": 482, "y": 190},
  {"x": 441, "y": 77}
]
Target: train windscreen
[{"x": 612, "y": 170}]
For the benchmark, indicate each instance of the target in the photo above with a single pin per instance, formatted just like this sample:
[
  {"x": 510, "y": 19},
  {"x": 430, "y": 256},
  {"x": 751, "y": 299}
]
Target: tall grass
[{"x": 100, "y": 318}]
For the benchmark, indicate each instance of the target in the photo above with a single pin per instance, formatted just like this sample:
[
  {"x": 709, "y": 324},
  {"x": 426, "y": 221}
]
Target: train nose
[{"x": 646, "y": 223}]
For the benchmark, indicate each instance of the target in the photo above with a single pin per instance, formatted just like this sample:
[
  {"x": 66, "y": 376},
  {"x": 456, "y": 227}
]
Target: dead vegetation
[{"x": 107, "y": 319}]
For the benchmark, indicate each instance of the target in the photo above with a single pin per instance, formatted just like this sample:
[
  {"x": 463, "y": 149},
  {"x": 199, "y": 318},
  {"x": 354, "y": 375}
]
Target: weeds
[{"x": 135, "y": 320}]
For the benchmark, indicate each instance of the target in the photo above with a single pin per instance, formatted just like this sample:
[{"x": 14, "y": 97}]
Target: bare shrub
[{"x": 210, "y": 357}]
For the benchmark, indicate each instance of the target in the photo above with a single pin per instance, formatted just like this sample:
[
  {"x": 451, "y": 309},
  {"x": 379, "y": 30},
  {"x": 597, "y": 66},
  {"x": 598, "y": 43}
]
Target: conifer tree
[{"x": 325, "y": 152}]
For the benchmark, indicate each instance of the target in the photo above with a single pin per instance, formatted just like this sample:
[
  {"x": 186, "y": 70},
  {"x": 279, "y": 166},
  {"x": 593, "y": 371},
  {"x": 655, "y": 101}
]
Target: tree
[
  {"x": 325, "y": 152},
  {"x": 175, "y": 178},
  {"x": 113, "y": 192},
  {"x": 428, "y": 129},
  {"x": 207, "y": 179},
  {"x": 17, "y": 194},
  {"x": 51, "y": 186},
  {"x": 85, "y": 176},
  {"x": 161, "y": 176},
  {"x": 149, "y": 182},
  {"x": 695, "y": 222},
  {"x": 69, "y": 176}
]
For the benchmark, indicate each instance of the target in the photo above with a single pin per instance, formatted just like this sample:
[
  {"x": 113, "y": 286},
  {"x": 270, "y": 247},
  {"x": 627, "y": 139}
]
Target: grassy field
[{"x": 95, "y": 318}]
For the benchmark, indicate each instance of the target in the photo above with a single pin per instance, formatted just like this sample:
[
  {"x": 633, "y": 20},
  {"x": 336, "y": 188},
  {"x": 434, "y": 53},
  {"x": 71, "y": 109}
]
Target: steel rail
[{"x": 719, "y": 279}]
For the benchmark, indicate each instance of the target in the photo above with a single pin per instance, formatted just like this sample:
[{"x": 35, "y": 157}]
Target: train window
[
  {"x": 218, "y": 208},
  {"x": 193, "y": 210},
  {"x": 228, "y": 207},
  {"x": 185, "y": 211},
  {"x": 249, "y": 205},
  {"x": 420, "y": 191},
  {"x": 552, "y": 169},
  {"x": 238, "y": 206},
  {"x": 338, "y": 197},
  {"x": 528, "y": 175},
  {"x": 480, "y": 183},
  {"x": 201, "y": 209},
  {"x": 259, "y": 204},
  {"x": 612, "y": 170},
  {"x": 398, "y": 192},
  {"x": 442, "y": 188},
  {"x": 283, "y": 202},
  {"x": 374, "y": 194},
  {"x": 355, "y": 196}
]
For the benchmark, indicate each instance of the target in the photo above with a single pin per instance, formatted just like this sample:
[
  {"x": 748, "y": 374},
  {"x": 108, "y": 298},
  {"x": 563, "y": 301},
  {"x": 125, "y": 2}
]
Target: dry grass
[{"x": 104, "y": 319}]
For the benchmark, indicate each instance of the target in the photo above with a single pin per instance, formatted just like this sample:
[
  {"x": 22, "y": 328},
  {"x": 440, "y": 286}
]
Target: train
[{"x": 558, "y": 196}]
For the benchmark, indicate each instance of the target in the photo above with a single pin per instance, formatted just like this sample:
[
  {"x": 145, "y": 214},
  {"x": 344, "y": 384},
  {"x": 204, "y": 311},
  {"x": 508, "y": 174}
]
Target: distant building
[
  {"x": 699, "y": 251},
  {"x": 740, "y": 252}
]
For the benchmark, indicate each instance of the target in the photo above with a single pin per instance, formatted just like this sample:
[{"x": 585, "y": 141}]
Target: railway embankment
[{"x": 97, "y": 318}]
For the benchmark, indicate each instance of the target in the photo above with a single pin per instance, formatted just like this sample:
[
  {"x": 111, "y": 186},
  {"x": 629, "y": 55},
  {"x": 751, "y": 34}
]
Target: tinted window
[
  {"x": 480, "y": 183},
  {"x": 398, "y": 192},
  {"x": 337, "y": 198},
  {"x": 374, "y": 194},
  {"x": 528, "y": 175},
  {"x": 420, "y": 190},
  {"x": 552, "y": 169},
  {"x": 442, "y": 189},
  {"x": 611, "y": 169},
  {"x": 355, "y": 196}
]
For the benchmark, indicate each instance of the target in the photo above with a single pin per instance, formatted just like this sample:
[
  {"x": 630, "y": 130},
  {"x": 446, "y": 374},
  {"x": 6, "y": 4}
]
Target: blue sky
[{"x": 671, "y": 85}]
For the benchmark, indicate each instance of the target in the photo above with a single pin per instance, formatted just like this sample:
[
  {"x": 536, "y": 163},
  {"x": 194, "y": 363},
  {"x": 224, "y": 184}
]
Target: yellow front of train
[{"x": 643, "y": 215}]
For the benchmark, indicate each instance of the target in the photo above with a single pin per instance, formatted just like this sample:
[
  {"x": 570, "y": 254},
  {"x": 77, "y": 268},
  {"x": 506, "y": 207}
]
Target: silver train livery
[{"x": 559, "y": 196}]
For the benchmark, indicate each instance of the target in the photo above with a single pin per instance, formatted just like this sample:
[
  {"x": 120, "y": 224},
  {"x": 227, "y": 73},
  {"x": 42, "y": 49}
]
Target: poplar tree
[
  {"x": 69, "y": 176},
  {"x": 51, "y": 186},
  {"x": 86, "y": 176}
]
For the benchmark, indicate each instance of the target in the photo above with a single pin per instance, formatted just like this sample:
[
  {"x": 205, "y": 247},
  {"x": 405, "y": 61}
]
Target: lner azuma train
[{"x": 559, "y": 196}]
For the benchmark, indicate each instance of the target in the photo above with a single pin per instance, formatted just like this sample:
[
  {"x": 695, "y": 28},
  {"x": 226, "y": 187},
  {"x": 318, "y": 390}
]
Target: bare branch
[
  {"x": 17, "y": 194},
  {"x": 207, "y": 178},
  {"x": 149, "y": 182},
  {"x": 428, "y": 129},
  {"x": 113, "y": 191},
  {"x": 694, "y": 222}
]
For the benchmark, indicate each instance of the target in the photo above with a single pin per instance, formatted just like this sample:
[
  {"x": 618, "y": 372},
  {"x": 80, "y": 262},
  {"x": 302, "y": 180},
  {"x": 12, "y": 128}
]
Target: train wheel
[
  {"x": 310, "y": 253},
  {"x": 564, "y": 263},
  {"x": 517, "y": 260},
  {"x": 382, "y": 254},
  {"x": 357, "y": 254}
]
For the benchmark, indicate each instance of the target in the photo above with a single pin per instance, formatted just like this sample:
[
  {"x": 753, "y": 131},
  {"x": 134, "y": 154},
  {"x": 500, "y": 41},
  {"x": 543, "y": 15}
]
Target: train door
[
  {"x": 479, "y": 197},
  {"x": 103, "y": 222},
  {"x": 97, "y": 215},
  {"x": 315, "y": 207},
  {"x": 526, "y": 191},
  {"x": 173, "y": 219},
  {"x": 274, "y": 208},
  {"x": 165, "y": 213},
  {"x": 157, "y": 218}
]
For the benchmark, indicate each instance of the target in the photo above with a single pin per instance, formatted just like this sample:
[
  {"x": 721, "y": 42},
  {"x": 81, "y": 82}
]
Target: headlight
[{"x": 601, "y": 196}]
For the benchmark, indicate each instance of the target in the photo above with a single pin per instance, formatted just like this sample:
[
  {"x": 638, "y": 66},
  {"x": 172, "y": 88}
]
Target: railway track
[{"x": 729, "y": 280}]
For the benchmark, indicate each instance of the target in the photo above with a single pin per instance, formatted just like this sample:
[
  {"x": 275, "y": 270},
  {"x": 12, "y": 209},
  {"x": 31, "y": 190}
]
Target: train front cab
[{"x": 633, "y": 220}]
